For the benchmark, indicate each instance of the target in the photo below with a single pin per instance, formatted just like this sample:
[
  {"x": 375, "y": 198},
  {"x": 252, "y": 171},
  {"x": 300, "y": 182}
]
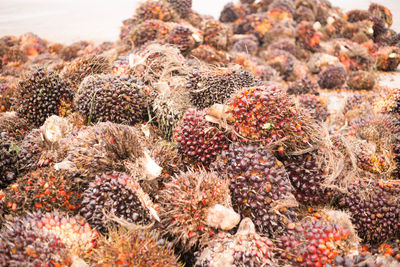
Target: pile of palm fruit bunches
[{"x": 263, "y": 138}]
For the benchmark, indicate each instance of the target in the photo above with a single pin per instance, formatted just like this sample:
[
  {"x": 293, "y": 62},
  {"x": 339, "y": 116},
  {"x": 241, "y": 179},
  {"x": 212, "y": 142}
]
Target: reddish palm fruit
[
  {"x": 114, "y": 195},
  {"x": 332, "y": 77},
  {"x": 134, "y": 248},
  {"x": 382, "y": 13},
  {"x": 42, "y": 94},
  {"x": 260, "y": 71},
  {"x": 43, "y": 190},
  {"x": 7, "y": 89},
  {"x": 307, "y": 37},
  {"x": 286, "y": 45},
  {"x": 259, "y": 185},
  {"x": 210, "y": 55},
  {"x": 281, "y": 9},
  {"x": 147, "y": 31},
  {"x": 199, "y": 140},
  {"x": 255, "y": 24},
  {"x": 216, "y": 34},
  {"x": 80, "y": 68},
  {"x": 246, "y": 44},
  {"x": 388, "y": 58},
  {"x": 232, "y": 12},
  {"x": 361, "y": 80},
  {"x": 22, "y": 243},
  {"x": 183, "y": 7},
  {"x": 315, "y": 105},
  {"x": 304, "y": 14},
  {"x": 183, "y": 37},
  {"x": 373, "y": 206},
  {"x": 121, "y": 67},
  {"x": 353, "y": 102},
  {"x": 283, "y": 62},
  {"x": 195, "y": 206},
  {"x": 267, "y": 114},
  {"x": 357, "y": 15},
  {"x": 73, "y": 50},
  {"x": 32, "y": 45},
  {"x": 307, "y": 177},
  {"x": 282, "y": 30},
  {"x": 13, "y": 55},
  {"x": 312, "y": 242},
  {"x": 354, "y": 58},
  {"x": 215, "y": 86},
  {"x": 8, "y": 159},
  {"x": 303, "y": 86},
  {"x": 245, "y": 248},
  {"x": 154, "y": 9},
  {"x": 119, "y": 99},
  {"x": 14, "y": 126}
]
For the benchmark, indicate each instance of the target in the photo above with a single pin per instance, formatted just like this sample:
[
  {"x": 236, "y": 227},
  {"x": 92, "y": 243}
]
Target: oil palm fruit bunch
[
  {"x": 7, "y": 89},
  {"x": 281, "y": 9},
  {"x": 259, "y": 185},
  {"x": 25, "y": 244},
  {"x": 245, "y": 248},
  {"x": 307, "y": 177},
  {"x": 332, "y": 77},
  {"x": 31, "y": 152},
  {"x": 155, "y": 9},
  {"x": 307, "y": 37},
  {"x": 216, "y": 34},
  {"x": 315, "y": 105},
  {"x": 255, "y": 24},
  {"x": 381, "y": 12},
  {"x": 314, "y": 241},
  {"x": 283, "y": 62},
  {"x": 43, "y": 93},
  {"x": 147, "y": 31},
  {"x": 115, "y": 194},
  {"x": 14, "y": 126},
  {"x": 43, "y": 190},
  {"x": 232, "y": 12},
  {"x": 361, "y": 80},
  {"x": 8, "y": 159},
  {"x": 87, "y": 65},
  {"x": 134, "y": 248},
  {"x": 210, "y": 55},
  {"x": 302, "y": 87},
  {"x": 119, "y": 99},
  {"x": 194, "y": 207},
  {"x": 267, "y": 115},
  {"x": 374, "y": 208},
  {"x": 388, "y": 58},
  {"x": 183, "y": 7},
  {"x": 209, "y": 87},
  {"x": 198, "y": 139}
]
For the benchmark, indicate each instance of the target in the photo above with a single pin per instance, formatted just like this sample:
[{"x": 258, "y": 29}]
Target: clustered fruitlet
[
  {"x": 259, "y": 185},
  {"x": 315, "y": 105},
  {"x": 332, "y": 77},
  {"x": 114, "y": 195},
  {"x": 8, "y": 160},
  {"x": 112, "y": 98},
  {"x": 374, "y": 209},
  {"x": 42, "y": 94},
  {"x": 199, "y": 140},
  {"x": 183, "y": 7}
]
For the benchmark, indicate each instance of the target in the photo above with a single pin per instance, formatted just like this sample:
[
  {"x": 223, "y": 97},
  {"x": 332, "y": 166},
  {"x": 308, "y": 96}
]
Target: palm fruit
[
  {"x": 232, "y": 12},
  {"x": 388, "y": 58},
  {"x": 285, "y": 29},
  {"x": 80, "y": 68},
  {"x": 260, "y": 71},
  {"x": 32, "y": 45},
  {"x": 119, "y": 99},
  {"x": 73, "y": 50},
  {"x": 320, "y": 61},
  {"x": 353, "y": 102},
  {"x": 134, "y": 248},
  {"x": 24, "y": 244},
  {"x": 281, "y": 9},
  {"x": 303, "y": 86},
  {"x": 14, "y": 126},
  {"x": 198, "y": 139},
  {"x": 259, "y": 185},
  {"x": 283, "y": 62},
  {"x": 114, "y": 195},
  {"x": 246, "y": 44},
  {"x": 215, "y": 86},
  {"x": 354, "y": 56},
  {"x": 43, "y": 190},
  {"x": 8, "y": 159},
  {"x": 183, "y": 7},
  {"x": 374, "y": 209},
  {"x": 315, "y": 105},
  {"x": 332, "y": 77},
  {"x": 255, "y": 24},
  {"x": 147, "y": 31},
  {"x": 31, "y": 154},
  {"x": 245, "y": 248},
  {"x": 185, "y": 38},
  {"x": 286, "y": 45},
  {"x": 361, "y": 80},
  {"x": 307, "y": 177},
  {"x": 304, "y": 14},
  {"x": 104, "y": 148},
  {"x": 42, "y": 94},
  {"x": 210, "y": 55},
  {"x": 7, "y": 89},
  {"x": 314, "y": 241},
  {"x": 382, "y": 13},
  {"x": 120, "y": 67},
  {"x": 216, "y": 34},
  {"x": 154, "y": 9},
  {"x": 356, "y": 15},
  {"x": 267, "y": 115},
  {"x": 195, "y": 206},
  {"x": 307, "y": 37}
]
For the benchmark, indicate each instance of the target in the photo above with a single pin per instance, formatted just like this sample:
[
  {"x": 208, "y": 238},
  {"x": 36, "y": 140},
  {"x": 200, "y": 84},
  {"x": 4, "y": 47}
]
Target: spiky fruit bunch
[
  {"x": 307, "y": 37},
  {"x": 266, "y": 114},
  {"x": 280, "y": 10},
  {"x": 216, "y": 34},
  {"x": 8, "y": 159},
  {"x": 183, "y": 37},
  {"x": 245, "y": 248},
  {"x": 195, "y": 205},
  {"x": 148, "y": 31},
  {"x": 24, "y": 244},
  {"x": 388, "y": 58},
  {"x": 312, "y": 242},
  {"x": 199, "y": 140},
  {"x": 32, "y": 44},
  {"x": 119, "y": 99},
  {"x": 14, "y": 126},
  {"x": 332, "y": 77},
  {"x": 374, "y": 208},
  {"x": 80, "y": 68},
  {"x": 320, "y": 61},
  {"x": 43, "y": 190},
  {"x": 134, "y": 248},
  {"x": 356, "y": 15},
  {"x": 353, "y": 102},
  {"x": 31, "y": 153},
  {"x": 304, "y": 13},
  {"x": 361, "y": 80},
  {"x": 115, "y": 195},
  {"x": 315, "y": 105},
  {"x": 259, "y": 185},
  {"x": 283, "y": 62},
  {"x": 256, "y": 24},
  {"x": 42, "y": 94},
  {"x": 183, "y": 7},
  {"x": 286, "y": 45},
  {"x": 231, "y": 12},
  {"x": 260, "y": 71},
  {"x": 307, "y": 177},
  {"x": 211, "y": 87},
  {"x": 303, "y": 86},
  {"x": 154, "y": 9},
  {"x": 210, "y": 55},
  {"x": 7, "y": 89},
  {"x": 381, "y": 12},
  {"x": 246, "y": 44}
]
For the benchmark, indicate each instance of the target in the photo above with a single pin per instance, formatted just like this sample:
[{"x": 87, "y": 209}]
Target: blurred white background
[{"x": 99, "y": 20}]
